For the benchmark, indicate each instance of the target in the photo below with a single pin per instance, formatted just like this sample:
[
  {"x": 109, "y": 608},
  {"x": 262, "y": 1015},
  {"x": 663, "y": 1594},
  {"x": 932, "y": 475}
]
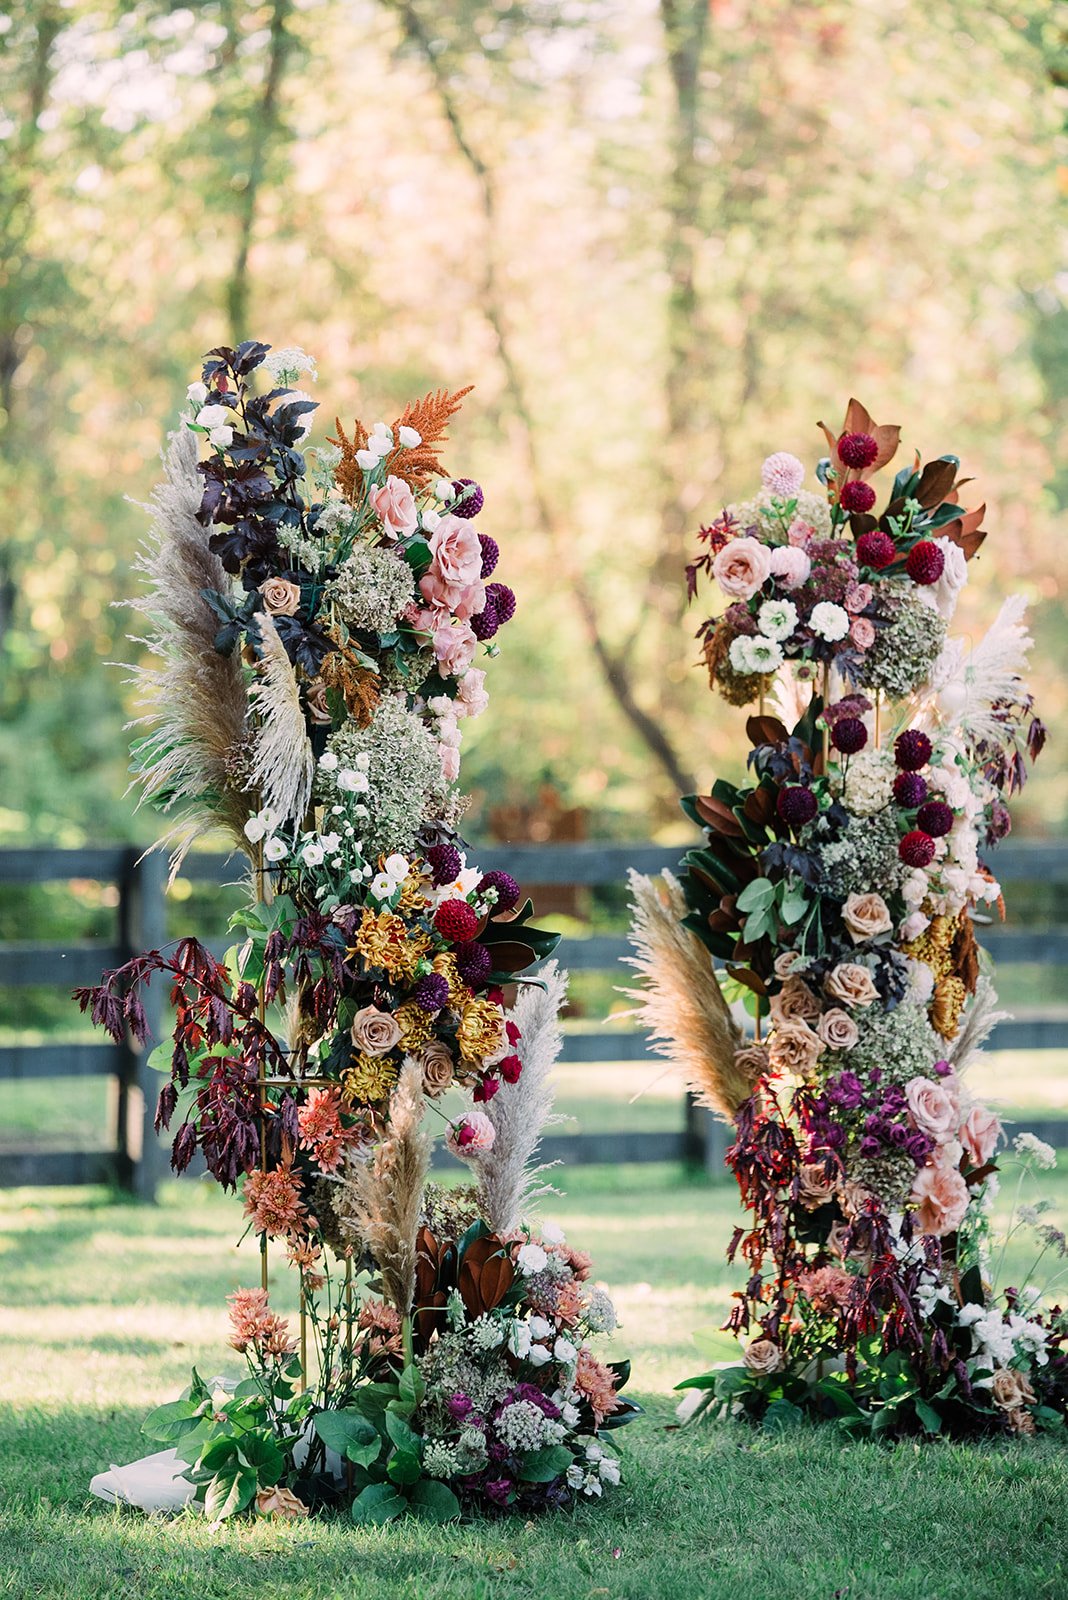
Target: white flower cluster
[
  {"x": 1036, "y": 1150},
  {"x": 1000, "y": 1338},
  {"x": 485, "y": 1334},
  {"x": 869, "y": 782},
  {"x": 593, "y": 1469},
  {"x": 287, "y": 363},
  {"x": 440, "y": 1459},
  {"x": 755, "y": 653},
  {"x": 524, "y": 1426},
  {"x": 381, "y": 443},
  {"x": 762, "y": 513}
]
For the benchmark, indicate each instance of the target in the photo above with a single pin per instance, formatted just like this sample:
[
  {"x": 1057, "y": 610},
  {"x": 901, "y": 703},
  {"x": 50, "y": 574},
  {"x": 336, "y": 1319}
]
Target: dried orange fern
[{"x": 429, "y": 417}]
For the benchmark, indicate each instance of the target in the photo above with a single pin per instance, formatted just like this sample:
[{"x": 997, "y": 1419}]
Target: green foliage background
[{"x": 661, "y": 239}]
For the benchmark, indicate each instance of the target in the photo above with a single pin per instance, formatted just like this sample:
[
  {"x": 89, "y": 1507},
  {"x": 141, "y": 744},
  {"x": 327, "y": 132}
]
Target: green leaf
[
  {"x": 704, "y": 1380},
  {"x": 932, "y": 1422},
  {"x": 402, "y": 1436},
  {"x": 412, "y": 1388},
  {"x": 171, "y": 1422},
  {"x": 782, "y": 1414},
  {"x": 162, "y": 1057},
  {"x": 756, "y": 895},
  {"x": 542, "y": 1466},
  {"x": 404, "y": 1466},
  {"x": 260, "y": 1453},
  {"x": 378, "y": 1503},
  {"x": 350, "y": 1435},
  {"x": 229, "y": 1492},
  {"x": 794, "y": 905},
  {"x": 434, "y": 1502}
]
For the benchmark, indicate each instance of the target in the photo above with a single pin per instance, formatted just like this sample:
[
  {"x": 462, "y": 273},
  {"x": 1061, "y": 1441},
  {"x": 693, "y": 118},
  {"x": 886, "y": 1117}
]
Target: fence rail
[{"x": 138, "y": 1160}]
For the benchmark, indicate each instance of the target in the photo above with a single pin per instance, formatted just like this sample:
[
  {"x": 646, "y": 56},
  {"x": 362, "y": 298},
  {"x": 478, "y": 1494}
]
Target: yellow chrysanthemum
[
  {"x": 415, "y": 1024},
  {"x": 369, "y": 1079},
  {"x": 935, "y": 945},
  {"x": 481, "y": 1030},
  {"x": 444, "y": 965},
  {"x": 413, "y": 895},
  {"x": 384, "y": 940},
  {"x": 946, "y": 1006}
]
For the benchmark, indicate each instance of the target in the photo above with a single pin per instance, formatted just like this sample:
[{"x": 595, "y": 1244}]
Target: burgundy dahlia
[
  {"x": 431, "y": 992},
  {"x": 910, "y": 790},
  {"x": 912, "y": 750},
  {"x": 486, "y": 623},
  {"x": 857, "y": 496},
  {"x": 796, "y": 805},
  {"x": 876, "y": 549},
  {"x": 849, "y": 735},
  {"x": 473, "y": 962},
  {"x": 508, "y": 890},
  {"x": 857, "y": 450},
  {"x": 935, "y": 818},
  {"x": 503, "y": 601},
  {"x": 925, "y": 562},
  {"x": 456, "y": 921},
  {"x": 445, "y": 864},
  {"x": 471, "y": 498},
  {"x": 491, "y": 554},
  {"x": 917, "y": 849}
]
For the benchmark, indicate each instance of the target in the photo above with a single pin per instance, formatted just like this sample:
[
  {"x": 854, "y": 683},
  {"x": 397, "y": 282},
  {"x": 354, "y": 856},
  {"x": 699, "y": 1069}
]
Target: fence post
[
  {"x": 706, "y": 1138},
  {"x": 144, "y": 927}
]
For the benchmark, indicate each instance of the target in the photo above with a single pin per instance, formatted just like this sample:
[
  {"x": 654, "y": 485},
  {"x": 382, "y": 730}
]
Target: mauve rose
[
  {"x": 1010, "y": 1390},
  {"x": 795, "y": 1002},
  {"x": 866, "y": 915},
  {"x": 852, "y": 984},
  {"x": 814, "y": 1188},
  {"x": 280, "y": 597},
  {"x": 395, "y": 504},
  {"x": 799, "y": 532},
  {"x": 742, "y": 567},
  {"x": 375, "y": 1032},
  {"x": 456, "y": 556},
  {"x": 762, "y": 1356},
  {"x": 751, "y": 1061},
  {"x": 837, "y": 1029},
  {"x": 795, "y": 1048},
  {"x": 318, "y": 709},
  {"x": 979, "y": 1134},
  {"x": 436, "y": 1061},
  {"x": 932, "y": 1110},
  {"x": 280, "y": 1502},
  {"x": 862, "y": 633},
  {"x": 454, "y": 648},
  {"x": 940, "y": 1196},
  {"x": 791, "y": 566},
  {"x": 858, "y": 597},
  {"x": 786, "y": 961}
]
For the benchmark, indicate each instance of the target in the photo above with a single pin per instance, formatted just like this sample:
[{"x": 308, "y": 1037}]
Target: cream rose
[
  {"x": 934, "y": 1109},
  {"x": 762, "y": 1356},
  {"x": 281, "y": 598},
  {"x": 280, "y": 1502},
  {"x": 795, "y": 1048},
  {"x": 374, "y": 1032},
  {"x": 436, "y": 1061},
  {"x": 940, "y": 1196},
  {"x": 742, "y": 567},
  {"x": 1010, "y": 1390},
  {"x": 837, "y": 1029},
  {"x": 318, "y": 708},
  {"x": 866, "y": 916},
  {"x": 786, "y": 961},
  {"x": 979, "y": 1134},
  {"x": 852, "y": 984},
  {"x": 795, "y": 1002}
]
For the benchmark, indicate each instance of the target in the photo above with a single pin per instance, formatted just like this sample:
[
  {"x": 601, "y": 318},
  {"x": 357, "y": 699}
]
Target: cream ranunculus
[
  {"x": 374, "y": 1032},
  {"x": 852, "y": 984},
  {"x": 866, "y": 916},
  {"x": 280, "y": 597},
  {"x": 742, "y": 567}
]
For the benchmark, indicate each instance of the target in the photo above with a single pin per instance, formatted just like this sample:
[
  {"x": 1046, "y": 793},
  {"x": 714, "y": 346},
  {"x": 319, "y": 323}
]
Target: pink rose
[
  {"x": 979, "y": 1135},
  {"x": 450, "y": 762},
  {"x": 933, "y": 1110},
  {"x": 795, "y": 1002},
  {"x": 858, "y": 597},
  {"x": 742, "y": 567},
  {"x": 940, "y": 1196},
  {"x": 455, "y": 564},
  {"x": 790, "y": 565},
  {"x": 395, "y": 504},
  {"x": 454, "y": 647},
  {"x": 795, "y": 1048},
  {"x": 862, "y": 633},
  {"x": 471, "y": 693},
  {"x": 471, "y": 602},
  {"x": 471, "y": 1136},
  {"x": 799, "y": 533}
]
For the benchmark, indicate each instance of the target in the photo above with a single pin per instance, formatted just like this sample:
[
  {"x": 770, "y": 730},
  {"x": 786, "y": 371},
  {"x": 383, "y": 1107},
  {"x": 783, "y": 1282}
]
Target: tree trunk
[{"x": 262, "y": 127}]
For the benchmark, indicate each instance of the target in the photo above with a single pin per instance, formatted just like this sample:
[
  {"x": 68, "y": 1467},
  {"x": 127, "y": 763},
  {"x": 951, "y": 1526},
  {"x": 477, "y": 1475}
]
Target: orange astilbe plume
[{"x": 429, "y": 417}]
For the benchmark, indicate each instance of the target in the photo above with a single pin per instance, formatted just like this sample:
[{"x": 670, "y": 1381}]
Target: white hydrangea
[{"x": 869, "y": 782}]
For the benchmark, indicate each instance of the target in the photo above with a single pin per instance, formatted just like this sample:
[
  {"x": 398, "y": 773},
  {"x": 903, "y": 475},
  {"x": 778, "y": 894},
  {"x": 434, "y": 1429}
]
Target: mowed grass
[{"x": 104, "y": 1306}]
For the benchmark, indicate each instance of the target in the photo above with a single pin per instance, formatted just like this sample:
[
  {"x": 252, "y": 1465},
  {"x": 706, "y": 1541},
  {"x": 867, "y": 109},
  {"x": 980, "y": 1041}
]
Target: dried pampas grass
[
  {"x": 283, "y": 765},
  {"x": 980, "y": 1019},
  {"x": 681, "y": 1003},
  {"x": 378, "y": 1203},
  {"x": 194, "y": 701},
  {"x": 521, "y": 1111}
]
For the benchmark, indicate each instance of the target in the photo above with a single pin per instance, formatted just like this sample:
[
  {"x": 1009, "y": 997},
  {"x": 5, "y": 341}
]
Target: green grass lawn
[{"x": 104, "y": 1306}]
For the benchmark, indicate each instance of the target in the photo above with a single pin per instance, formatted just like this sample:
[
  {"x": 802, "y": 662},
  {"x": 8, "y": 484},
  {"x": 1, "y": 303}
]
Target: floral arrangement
[
  {"x": 315, "y": 618},
  {"x": 839, "y": 889}
]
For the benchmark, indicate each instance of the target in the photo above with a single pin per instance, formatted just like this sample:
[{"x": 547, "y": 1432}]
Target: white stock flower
[
  {"x": 221, "y": 436},
  {"x": 383, "y": 886},
  {"x": 254, "y": 830},
  {"x": 328, "y": 761},
  {"x": 531, "y": 1259},
  {"x": 443, "y": 489},
  {"x": 214, "y": 416},
  {"x": 540, "y": 1327},
  {"x": 519, "y": 1339},
  {"x": 538, "y": 1355},
  {"x": 552, "y": 1233},
  {"x": 197, "y": 393},
  {"x": 396, "y": 867},
  {"x": 564, "y": 1351}
]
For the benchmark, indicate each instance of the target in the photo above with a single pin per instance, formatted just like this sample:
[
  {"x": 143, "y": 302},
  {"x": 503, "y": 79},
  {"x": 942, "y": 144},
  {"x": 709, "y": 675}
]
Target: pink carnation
[
  {"x": 790, "y": 565},
  {"x": 395, "y": 504},
  {"x": 471, "y": 1136}
]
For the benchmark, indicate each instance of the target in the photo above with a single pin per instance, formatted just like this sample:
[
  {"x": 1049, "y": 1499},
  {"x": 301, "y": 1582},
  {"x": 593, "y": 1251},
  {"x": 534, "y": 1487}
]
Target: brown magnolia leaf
[
  {"x": 936, "y": 484},
  {"x": 509, "y": 955},
  {"x": 478, "y": 1278},
  {"x": 765, "y": 730},
  {"x": 717, "y": 816},
  {"x": 967, "y": 531},
  {"x": 863, "y": 522},
  {"x": 980, "y": 1174},
  {"x": 747, "y": 977},
  {"x": 858, "y": 420},
  {"x": 760, "y": 807},
  {"x": 497, "y": 1277}
]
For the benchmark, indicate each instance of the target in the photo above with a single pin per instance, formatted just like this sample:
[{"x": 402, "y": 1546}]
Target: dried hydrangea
[
  {"x": 403, "y": 771},
  {"x": 896, "y": 1045},
  {"x": 863, "y": 858},
  {"x": 600, "y": 1313},
  {"x": 904, "y": 652},
  {"x": 760, "y": 513},
  {"x": 372, "y": 589}
]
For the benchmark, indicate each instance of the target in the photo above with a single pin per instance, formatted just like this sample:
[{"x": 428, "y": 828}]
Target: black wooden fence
[{"x": 137, "y": 1160}]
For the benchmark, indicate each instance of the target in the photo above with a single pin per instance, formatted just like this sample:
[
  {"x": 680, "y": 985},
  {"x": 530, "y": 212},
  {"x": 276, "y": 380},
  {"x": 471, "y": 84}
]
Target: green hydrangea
[
  {"x": 900, "y": 1043},
  {"x": 405, "y": 785},
  {"x": 904, "y": 652},
  {"x": 372, "y": 589},
  {"x": 864, "y": 858}
]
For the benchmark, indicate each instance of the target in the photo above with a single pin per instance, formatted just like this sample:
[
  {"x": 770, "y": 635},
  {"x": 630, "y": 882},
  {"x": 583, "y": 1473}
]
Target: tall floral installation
[
  {"x": 838, "y": 892},
  {"x": 315, "y": 619}
]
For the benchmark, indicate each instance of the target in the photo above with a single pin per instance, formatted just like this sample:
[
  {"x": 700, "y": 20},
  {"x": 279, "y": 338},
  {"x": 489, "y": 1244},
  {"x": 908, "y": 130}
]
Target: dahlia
[
  {"x": 782, "y": 474},
  {"x": 273, "y": 1202},
  {"x": 912, "y": 749},
  {"x": 857, "y": 496},
  {"x": 857, "y": 450},
  {"x": 876, "y": 549}
]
